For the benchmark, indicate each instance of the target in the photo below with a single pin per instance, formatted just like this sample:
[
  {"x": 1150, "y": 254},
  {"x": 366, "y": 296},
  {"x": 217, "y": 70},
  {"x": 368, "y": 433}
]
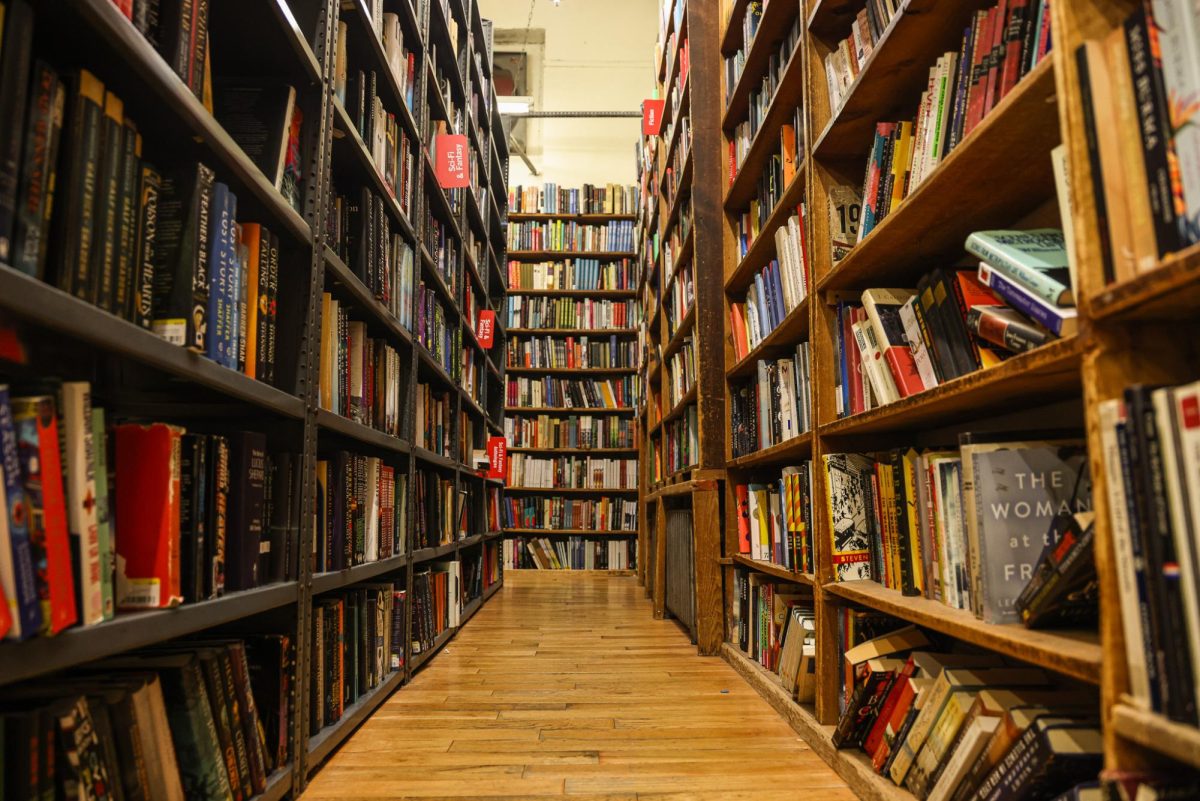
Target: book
[
  {"x": 183, "y": 239},
  {"x": 15, "y": 64},
  {"x": 16, "y": 553},
  {"x": 257, "y": 113},
  {"x": 79, "y": 452},
  {"x": 883, "y": 309},
  {"x": 1035, "y": 259},
  {"x": 147, "y": 541}
]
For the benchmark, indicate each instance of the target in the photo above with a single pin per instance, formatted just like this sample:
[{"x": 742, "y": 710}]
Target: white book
[
  {"x": 945, "y": 107},
  {"x": 371, "y": 536},
  {"x": 80, "y": 484},
  {"x": 872, "y": 357},
  {"x": 1181, "y": 464},
  {"x": 789, "y": 425},
  {"x": 764, "y": 406},
  {"x": 1112, "y": 415},
  {"x": 790, "y": 299},
  {"x": 970, "y": 747},
  {"x": 912, "y": 332}
]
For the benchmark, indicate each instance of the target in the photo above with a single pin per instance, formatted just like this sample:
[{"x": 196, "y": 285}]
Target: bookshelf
[
  {"x": 135, "y": 374},
  {"x": 1141, "y": 329},
  {"x": 569, "y": 319}
]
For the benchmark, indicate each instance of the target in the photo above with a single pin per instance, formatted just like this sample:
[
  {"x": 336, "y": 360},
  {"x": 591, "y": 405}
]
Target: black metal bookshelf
[{"x": 132, "y": 369}]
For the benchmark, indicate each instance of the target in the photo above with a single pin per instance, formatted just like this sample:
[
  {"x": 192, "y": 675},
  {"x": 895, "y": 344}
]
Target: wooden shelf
[
  {"x": 1073, "y": 653},
  {"x": 762, "y": 249},
  {"x": 542, "y": 255},
  {"x": 683, "y": 189},
  {"x": 1157, "y": 733},
  {"x": 781, "y": 341},
  {"x": 568, "y": 410},
  {"x": 569, "y": 532},
  {"x": 773, "y": 27},
  {"x": 569, "y": 370},
  {"x": 688, "y": 399},
  {"x": 731, "y": 31},
  {"x": 1037, "y": 377},
  {"x": 681, "y": 334},
  {"x": 1170, "y": 292},
  {"x": 952, "y": 201},
  {"x": 676, "y": 128},
  {"x": 798, "y": 447},
  {"x": 778, "y": 571},
  {"x": 573, "y": 490}
]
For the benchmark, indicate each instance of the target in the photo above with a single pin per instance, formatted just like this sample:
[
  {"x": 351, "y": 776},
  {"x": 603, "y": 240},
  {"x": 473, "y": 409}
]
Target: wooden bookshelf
[{"x": 134, "y": 370}]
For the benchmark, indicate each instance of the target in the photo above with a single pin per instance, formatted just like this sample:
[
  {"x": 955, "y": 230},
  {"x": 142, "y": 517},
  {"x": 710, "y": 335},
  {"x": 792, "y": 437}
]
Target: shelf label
[
  {"x": 497, "y": 457},
  {"x": 652, "y": 114},
  {"x": 485, "y": 332},
  {"x": 453, "y": 166}
]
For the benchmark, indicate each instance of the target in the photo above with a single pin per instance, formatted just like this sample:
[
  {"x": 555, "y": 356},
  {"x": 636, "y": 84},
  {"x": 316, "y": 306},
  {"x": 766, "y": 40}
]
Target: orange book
[
  {"x": 737, "y": 320},
  {"x": 787, "y": 136}
]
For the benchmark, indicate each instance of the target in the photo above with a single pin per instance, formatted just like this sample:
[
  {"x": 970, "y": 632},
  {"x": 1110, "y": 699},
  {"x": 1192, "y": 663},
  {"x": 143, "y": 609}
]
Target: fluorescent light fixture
[{"x": 514, "y": 106}]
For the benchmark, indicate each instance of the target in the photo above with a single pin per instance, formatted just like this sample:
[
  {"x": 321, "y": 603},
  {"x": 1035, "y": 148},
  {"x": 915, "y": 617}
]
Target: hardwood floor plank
[{"x": 525, "y": 704}]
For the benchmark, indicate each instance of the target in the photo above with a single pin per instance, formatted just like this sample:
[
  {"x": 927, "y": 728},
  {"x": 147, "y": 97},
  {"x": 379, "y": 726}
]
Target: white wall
[{"x": 598, "y": 55}]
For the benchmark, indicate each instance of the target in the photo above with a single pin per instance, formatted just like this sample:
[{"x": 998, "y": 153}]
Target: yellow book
[
  {"x": 909, "y": 461},
  {"x": 900, "y": 163}
]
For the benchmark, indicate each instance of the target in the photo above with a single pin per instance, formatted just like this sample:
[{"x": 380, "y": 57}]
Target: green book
[{"x": 1037, "y": 260}]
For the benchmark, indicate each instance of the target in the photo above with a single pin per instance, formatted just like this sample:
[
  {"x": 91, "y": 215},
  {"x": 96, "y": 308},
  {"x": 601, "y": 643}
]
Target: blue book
[
  {"x": 845, "y": 370},
  {"x": 239, "y": 290},
  {"x": 24, "y": 603},
  {"x": 221, "y": 295},
  {"x": 1061, "y": 320}
]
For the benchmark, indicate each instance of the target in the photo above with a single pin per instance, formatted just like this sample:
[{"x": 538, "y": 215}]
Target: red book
[
  {"x": 125, "y": 7},
  {"x": 875, "y": 736},
  {"x": 743, "y": 517},
  {"x": 36, "y": 423},
  {"x": 853, "y": 360},
  {"x": 741, "y": 345},
  {"x": 147, "y": 534},
  {"x": 1013, "y": 39},
  {"x": 979, "y": 64},
  {"x": 995, "y": 56},
  {"x": 5, "y": 615},
  {"x": 970, "y": 292},
  {"x": 907, "y": 693}
]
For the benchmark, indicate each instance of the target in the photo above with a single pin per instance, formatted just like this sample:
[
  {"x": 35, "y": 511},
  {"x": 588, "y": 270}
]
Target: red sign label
[
  {"x": 497, "y": 457},
  {"x": 485, "y": 332},
  {"x": 652, "y": 114},
  {"x": 453, "y": 166}
]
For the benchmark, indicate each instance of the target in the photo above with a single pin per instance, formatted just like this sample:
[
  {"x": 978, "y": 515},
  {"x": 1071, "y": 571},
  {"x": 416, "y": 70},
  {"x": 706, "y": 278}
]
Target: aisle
[{"x": 565, "y": 686}]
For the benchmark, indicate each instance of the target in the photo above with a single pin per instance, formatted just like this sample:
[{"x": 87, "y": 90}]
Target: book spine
[
  {"x": 79, "y": 451},
  {"x": 1022, "y": 302},
  {"x": 15, "y": 66},
  {"x": 42, "y": 127},
  {"x": 126, "y": 237},
  {"x": 147, "y": 232},
  {"x": 103, "y": 265},
  {"x": 20, "y": 581}
]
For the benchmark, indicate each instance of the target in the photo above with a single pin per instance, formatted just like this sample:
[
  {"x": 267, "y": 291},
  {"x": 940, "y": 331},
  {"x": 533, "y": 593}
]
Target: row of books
[
  {"x": 388, "y": 142},
  {"x": 774, "y": 624},
  {"x": 437, "y": 603},
  {"x": 777, "y": 175},
  {"x": 473, "y": 366},
  {"x": 676, "y": 239},
  {"x": 843, "y": 62},
  {"x": 401, "y": 60},
  {"x": 964, "y": 525},
  {"x": 760, "y": 99},
  {"x": 569, "y": 553},
  {"x": 574, "y": 431},
  {"x": 440, "y": 510},
  {"x": 1144, "y": 150},
  {"x": 361, "y": 512},
  {"x": 442, "y": 245},
  {"x": 550, "y": 198},
  {"x": 361, "y": 378},
  {"x": 567, "y": 236},
  {"x": 674, "y": 173},
  {"x": 573, "y": 274},
  {"x": 965, "y": 725},
  {"x": 999, "y": 47},
  {"x": 680, "y": 448},
  {"x": 603, "y": 514},
  {"x": 774, "y": 407},
  {"x": 357, "y": 642},
  {"x": 441, "y": 338},
  {"x": 490, "y": 565},
  {"x": 1151, "y": 456},
  {"x": 680, "y": 296},
  {"x": 435, "y": 418},
  {"x": 104, "y": 517},
  {"x": 681, "y": 372},
  {"x": 775, "y": 519},
  {"x": 578, "y": 472},
  {"x": 572, "y": 352},
  {"x": 543, "y": 312},
  {"x": 588, "y": 393},
  {"x": 361, "y": 233},
  {"x": 778, "y": 288},
  {"x": 197, "y": 715}
]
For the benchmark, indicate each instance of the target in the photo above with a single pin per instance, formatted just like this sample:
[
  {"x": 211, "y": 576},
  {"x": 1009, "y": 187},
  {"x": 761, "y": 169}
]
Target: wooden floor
[{"x": 565, "y": 686}]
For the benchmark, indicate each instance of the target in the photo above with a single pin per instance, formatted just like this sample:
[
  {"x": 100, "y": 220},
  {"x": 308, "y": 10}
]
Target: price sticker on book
[
  {"x": 497, "y": 457},
  {"x": 485, "y": 332},
  {"x": 652, "y": 114},
  {"x": 453, "y": 166}
]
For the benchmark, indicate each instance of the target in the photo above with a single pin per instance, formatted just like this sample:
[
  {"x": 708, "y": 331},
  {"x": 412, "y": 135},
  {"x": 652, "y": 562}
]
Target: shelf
[
  {"x": 766, "y": 143},
  {"x": 607, "y": 294},
  {"x": 468, "y": 542},
  {"x": 322, "y": 744},
  {"x": 1072, "y": 653},
  {"x": 572, "y": 450},
  {"x": 778, "y": 571},
  {"x": 364, "y": 300},
  {"x": 426, "y": 455},
  {"x": 1157, "y": 733},
  {"x": 932, "y": 223},
  {"x": 683, "y": 189},
  {"x": 336, "y": 579},
  {"x": 346, "y": 139},
  {"x": 682, "y": 258},
  {"x": 681, "y": 334},
  {"x": 781, "y": 341},
  {"x": 773, "y": 28},
  {"x": 569, "y": 370},
  {"x": 49, "y": 307},
  {"x": 1051, "y": 372},
  {"x": 82, "y": 644},
  {"x": 853, "y": 766},
  {"x": 573, "y": 490},
  {"x": 439, "y": 372},
  {"x": 524, "y": 216},
  {"x": 346, "y": 427},
  {"x": 798, "y": 447},
  {"x": 279, "y": 784},
  {"x": 619, "y": 332},
  {"x": 362, "y": 39},
  {"x": 427, "y": 554},
  {"x": 1170, "y": 292},
  {"x": 542, "y": 255},
  {"x": 688, "y": 399},
  {"x": 420, "y": 659},
  {"x": 762, "y": 250},
  {"x": 492, "y": 536},
  {"x": 569, "y": 410},
  {"x": 731, "y": 33},
  {"x": 568, "y": 532},
  {"x": 676, "y": 128},
  {"x": 469, "y": 610}
]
